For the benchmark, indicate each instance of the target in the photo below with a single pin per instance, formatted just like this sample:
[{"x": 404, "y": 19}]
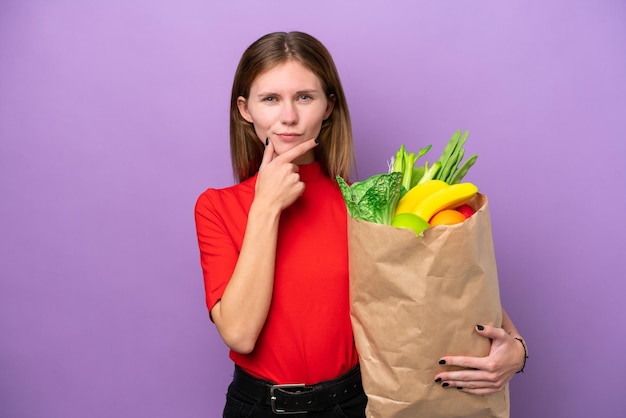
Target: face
[{"x": 287, "y": 105}]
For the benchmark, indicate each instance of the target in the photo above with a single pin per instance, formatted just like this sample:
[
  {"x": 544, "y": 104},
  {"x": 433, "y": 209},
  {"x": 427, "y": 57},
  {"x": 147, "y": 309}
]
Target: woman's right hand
[
  {"x": 278, "y": 181},
  {"x": 251, "y": 285}
]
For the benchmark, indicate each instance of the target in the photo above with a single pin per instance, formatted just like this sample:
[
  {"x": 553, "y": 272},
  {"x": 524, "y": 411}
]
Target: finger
[
  {"x": 474, "y": 385},
  {"x": 298, "y": 150},
  {"x": 268, "y": 153},
  {"x": 465, "y": 362},
  {"x": 490, "y": 332},
  {"x": 476, "y": 388},
  {"x": 483, "y": 391},
  {"x": 468, "y": 382},
  {"x": 467, "y": 375}
]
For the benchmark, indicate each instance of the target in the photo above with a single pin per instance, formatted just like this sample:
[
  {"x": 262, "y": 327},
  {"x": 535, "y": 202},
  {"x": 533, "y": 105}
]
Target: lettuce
[{"x": 373, "y": 199}]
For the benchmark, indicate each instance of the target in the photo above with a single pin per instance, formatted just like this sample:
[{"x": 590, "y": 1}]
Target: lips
[{"x": 288, "y": 136}]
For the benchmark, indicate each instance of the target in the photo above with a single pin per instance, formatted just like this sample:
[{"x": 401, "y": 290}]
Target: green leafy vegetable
[
  {"x": 373, "y": 199},
  {"x": 404, "y": 162},
  {"x": 462, "y": 171},
  {"x": 450, "y": 167},
  {"x": 430, "y": 172},
  {"x": 418, "y": 173},
  {"x": 452, "y": 171}
]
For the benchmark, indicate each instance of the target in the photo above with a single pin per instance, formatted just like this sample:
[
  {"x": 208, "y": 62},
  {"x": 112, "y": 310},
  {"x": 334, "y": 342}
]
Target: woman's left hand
[{"x": 483, "y": 375}]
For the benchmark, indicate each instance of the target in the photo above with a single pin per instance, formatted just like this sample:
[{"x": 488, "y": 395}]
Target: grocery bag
[{"x": 416, "y": 299}]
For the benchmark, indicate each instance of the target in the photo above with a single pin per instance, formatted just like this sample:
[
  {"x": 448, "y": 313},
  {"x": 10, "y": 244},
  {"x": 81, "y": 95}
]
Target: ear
[
  {"x": 242, "y": 105},
  {"x": 330, "y": 106}
]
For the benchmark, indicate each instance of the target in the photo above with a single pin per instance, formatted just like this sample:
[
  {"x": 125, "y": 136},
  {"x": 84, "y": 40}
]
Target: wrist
[
  {"x": 264, "y": 210},
  {"x": 525, "y": 348}
]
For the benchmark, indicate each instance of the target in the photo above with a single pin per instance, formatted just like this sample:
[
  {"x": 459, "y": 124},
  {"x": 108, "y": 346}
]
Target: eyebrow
[{"x": 298, "y": 93}]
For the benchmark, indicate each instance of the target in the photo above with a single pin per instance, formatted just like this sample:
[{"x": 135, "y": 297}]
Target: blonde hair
[{"x": 335, "y": 152}]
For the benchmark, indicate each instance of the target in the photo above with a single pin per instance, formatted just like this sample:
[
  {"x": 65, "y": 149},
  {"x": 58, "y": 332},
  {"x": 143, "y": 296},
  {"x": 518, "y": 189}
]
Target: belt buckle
[{"x": 273, "y": 388}]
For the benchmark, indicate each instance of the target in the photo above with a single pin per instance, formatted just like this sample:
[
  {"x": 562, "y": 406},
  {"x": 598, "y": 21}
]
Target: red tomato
[{"x": 466, "y": 210}]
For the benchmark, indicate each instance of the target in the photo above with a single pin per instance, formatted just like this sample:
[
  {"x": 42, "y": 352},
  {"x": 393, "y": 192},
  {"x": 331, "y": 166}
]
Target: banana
[
  {"x": 419, "y": 192},
  {"x": 449, "y": 197}
]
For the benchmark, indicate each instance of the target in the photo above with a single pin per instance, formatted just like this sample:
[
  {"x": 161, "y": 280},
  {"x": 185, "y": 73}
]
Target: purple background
[{"x": 114, "y": 117}]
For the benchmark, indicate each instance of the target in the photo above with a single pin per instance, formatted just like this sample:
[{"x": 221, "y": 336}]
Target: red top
[{"x": 307, "y": 337}]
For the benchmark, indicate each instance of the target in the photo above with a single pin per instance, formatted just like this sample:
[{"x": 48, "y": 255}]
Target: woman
[{"x": 274, "y": 246}]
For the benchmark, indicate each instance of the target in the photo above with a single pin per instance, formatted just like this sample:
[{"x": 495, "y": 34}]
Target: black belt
[{"x": 300, "y": 398}]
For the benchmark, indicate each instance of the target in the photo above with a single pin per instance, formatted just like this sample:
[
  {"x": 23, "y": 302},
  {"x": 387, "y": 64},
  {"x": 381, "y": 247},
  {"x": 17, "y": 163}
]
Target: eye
[
  {"x": 269, "y": 99},
  {"x": 304, "y": 97}
]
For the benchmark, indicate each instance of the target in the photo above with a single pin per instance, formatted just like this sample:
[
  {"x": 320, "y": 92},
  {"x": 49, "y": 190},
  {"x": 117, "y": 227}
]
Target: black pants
[{"x": 240, "y": 404}]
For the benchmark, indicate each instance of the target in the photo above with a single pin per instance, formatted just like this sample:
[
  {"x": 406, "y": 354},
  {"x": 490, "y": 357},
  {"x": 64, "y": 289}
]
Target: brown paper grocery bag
[{"x": 414, "y": 300}]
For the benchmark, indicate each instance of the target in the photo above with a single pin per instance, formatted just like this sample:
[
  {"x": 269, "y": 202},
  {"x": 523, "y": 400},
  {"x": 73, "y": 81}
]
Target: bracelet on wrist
[{"x": 525, "y": 354}]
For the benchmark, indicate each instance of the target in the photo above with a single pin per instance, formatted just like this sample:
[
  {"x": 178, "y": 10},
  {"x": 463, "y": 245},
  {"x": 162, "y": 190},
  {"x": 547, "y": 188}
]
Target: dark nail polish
[
  {"x": 267, "y": 141},
  {"x": 459, "y": 388},
  {"x": 437, "y": 380},
  {"x": 445, "y": 385},
  {"x": 480, "y": 327},
  {"x": 442, "y": 362},
  {"x": 317, "y": 140}
]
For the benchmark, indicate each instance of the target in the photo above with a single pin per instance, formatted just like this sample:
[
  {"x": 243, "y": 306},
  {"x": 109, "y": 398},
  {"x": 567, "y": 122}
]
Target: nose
[{"x": 289, "y": 113}]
